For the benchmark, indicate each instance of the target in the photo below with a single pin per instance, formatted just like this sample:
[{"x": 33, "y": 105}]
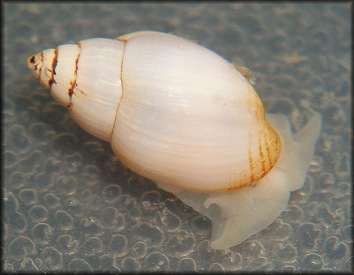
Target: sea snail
[{"x": 180, "y": 115}]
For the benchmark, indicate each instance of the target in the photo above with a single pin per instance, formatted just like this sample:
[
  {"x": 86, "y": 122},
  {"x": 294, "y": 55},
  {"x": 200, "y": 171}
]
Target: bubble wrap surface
[{"x": 69, "y": 205}]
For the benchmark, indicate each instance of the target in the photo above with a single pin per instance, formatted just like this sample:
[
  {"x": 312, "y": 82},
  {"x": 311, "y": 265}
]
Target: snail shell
[{"x": 174, "y": 112}]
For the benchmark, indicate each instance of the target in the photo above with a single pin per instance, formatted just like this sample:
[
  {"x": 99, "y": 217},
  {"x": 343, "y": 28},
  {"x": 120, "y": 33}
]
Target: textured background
[{"x": 69, "y": 205}]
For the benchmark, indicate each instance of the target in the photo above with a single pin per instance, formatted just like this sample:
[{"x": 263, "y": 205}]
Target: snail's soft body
[{"x": 182, "y": 116}]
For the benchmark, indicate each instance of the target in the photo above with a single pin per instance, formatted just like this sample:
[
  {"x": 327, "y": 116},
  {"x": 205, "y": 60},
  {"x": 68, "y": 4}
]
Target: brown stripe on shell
[
  {"x": 240, "y": 185},
  {"x": 263, "y": 147},
  {"x": 275, "y": 153},
  {"x": 256, "y": 107},
  {"x": 262, "y": 156},
  {"x": 32, "y": 59},
  {"x": 252, "y": 166},
  {"x": 267, "y": 153},
  {"x": 52, "y": 70},
  {"x": 40, "y": 68},
  {"x": 73, "y": 81},
  {"x": 272, "y": 146},
  {"x": 268, "y": 145},
  {"x": 275, "y": 143},
  {"x": 262, "y": 137}
]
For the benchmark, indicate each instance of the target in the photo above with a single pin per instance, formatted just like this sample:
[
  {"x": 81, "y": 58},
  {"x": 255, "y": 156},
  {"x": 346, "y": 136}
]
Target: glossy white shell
[
  {"x": 182, "y": 116},
  {"x": 173, "y": 111}
]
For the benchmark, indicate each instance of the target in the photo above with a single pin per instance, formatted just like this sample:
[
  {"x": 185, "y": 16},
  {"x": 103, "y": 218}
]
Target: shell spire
[{"x": 67, "y": 72}]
